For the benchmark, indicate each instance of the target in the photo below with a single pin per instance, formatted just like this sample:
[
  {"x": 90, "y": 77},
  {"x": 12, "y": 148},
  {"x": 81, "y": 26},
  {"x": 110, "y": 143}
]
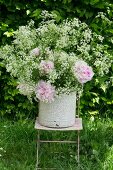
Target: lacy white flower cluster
[{"x": 52, "y": 59}]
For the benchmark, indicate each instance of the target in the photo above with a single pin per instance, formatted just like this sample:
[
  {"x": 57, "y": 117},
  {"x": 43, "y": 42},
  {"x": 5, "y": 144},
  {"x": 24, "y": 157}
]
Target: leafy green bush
[{"x": 98, "y": 96}]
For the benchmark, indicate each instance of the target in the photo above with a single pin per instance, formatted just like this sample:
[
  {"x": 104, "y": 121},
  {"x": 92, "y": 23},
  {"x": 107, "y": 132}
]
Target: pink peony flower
[
  {"x": 83, "y": 72},
  {"x": 35, "y": 52},
  {"x": 46, "y": 66},
  {"x": 45, "y": 91}
]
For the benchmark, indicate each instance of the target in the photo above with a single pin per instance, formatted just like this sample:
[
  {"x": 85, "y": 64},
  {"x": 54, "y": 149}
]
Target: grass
[{"x": 18, "y": 147}]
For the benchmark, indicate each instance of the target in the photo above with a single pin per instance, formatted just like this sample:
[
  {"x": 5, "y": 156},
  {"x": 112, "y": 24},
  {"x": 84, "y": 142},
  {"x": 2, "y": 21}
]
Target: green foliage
[
  {"x": 18, "y": 147},
  {"x": 98, "y": 97},
  {"x": 12, "y": 104}
]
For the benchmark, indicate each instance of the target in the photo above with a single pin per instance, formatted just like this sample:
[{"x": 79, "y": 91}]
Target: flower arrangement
[{"x": 53, "y": 59}]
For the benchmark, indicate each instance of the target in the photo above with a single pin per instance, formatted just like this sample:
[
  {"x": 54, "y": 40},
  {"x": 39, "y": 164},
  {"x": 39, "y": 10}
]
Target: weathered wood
[
  {"x": 57, "y": 141},
  {"x": 76, "y": 126}
]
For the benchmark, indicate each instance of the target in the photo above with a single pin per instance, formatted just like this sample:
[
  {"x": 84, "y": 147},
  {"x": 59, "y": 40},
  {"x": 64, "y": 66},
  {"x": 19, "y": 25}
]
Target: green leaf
[
  {"x": 103, "y": 87},
  {"x": 93, "y": 2},
  {"x": 28, "y": 12},
  {"x": 3, "y": 27},
  {"x": 104, "y": 99},
  {"x": 95, "y": 94},
  {"x": 110, "y": 30},
  {"x": 93, "y": 112},
  {"x": 110, "y": 102},
  {"x": 57, "y": 15},
  {"x": 88, "y": 14},
  {"x": 36, "y": 13},
  {"x": 9, "y": 34},
  {"x": 96, "y": 100}
]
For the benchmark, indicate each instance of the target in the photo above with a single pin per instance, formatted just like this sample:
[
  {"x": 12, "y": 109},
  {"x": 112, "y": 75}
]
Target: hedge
[{"x": 97, "y": 99}]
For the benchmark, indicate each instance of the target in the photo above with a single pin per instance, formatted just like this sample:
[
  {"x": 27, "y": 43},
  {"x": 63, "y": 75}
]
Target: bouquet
[{"x": 54, "y": 58}]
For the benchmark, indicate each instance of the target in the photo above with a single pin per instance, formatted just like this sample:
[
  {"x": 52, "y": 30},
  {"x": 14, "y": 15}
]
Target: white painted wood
[{"x": 76, "y": 126}]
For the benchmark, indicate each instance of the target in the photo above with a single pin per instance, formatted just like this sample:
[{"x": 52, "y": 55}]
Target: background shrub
[{"x": 98, "y": 94}]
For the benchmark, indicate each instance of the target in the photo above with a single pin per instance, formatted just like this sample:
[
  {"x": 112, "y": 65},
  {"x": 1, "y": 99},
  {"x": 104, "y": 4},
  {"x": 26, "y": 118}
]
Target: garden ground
[{"x": 18, "y": 147}]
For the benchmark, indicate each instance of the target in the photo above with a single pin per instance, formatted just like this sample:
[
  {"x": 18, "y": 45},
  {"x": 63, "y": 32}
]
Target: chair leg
[
  {"x": 78, "y": 149},
  {"x": 38, "y": 143}
]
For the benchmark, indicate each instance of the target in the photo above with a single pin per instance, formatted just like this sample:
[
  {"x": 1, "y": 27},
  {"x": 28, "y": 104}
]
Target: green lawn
[{"x": 18, "y": 147}]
